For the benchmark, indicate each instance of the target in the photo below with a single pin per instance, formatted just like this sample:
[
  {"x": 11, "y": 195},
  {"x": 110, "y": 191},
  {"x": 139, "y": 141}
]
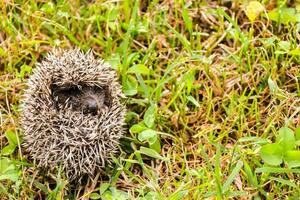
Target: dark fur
[{"x": 86, "y": 99}]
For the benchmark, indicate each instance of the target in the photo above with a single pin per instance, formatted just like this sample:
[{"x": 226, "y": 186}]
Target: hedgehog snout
[
  {"x": 90, "y": 106},
  {"x": 86, "y": 99}
]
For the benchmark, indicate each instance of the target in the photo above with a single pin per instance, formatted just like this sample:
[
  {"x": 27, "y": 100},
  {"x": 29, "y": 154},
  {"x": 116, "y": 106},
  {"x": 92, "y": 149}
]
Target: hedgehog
[{"x": 72, "y": 114}]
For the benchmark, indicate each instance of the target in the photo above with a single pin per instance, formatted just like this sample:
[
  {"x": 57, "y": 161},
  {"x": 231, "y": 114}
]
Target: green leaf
[
  {"x": 284, "y": 45},
  {"x": 107, "y": 196},
  {"x": 148, "y": 135},
  {"x": 11, "y": 137},
  {"x": 251, "y": 176},
  {"x": 24, "y": 69},
  {"x": 297, "y": 133},
  {"x": 95, "y": 196},
  {"x": 156, "y": 146},
  {"x": 272, "y": 154},
  {"x": 40, "y": 186},
  {"x": 9, "y": 149},
  {"x": 286, "y": 139},
  {"x": 130, "y": 86},
  {"x": 8, "y": 170},
  {"x": 254, "y": 140},
  {"x": 104, "y": 187},
  {"x": 287, "y": 15},
  {"x": 139, "y": 69},
  {"x": 292, "y": 158},
  {"x": 118, "y": 194},
  {"x": 284, "y": 182},
  {"x": 137, "y": 128},
  {"x": 48, "y": 8},
  {"x": 253, "y": 9},
  {"x": 187, "y": 21},
  {"x": 181, "y": 37},
  {"x": 149, "y": 116},
  {"x": 284, "y": 15},
  {"x": 274, "y": 15},
  {"x": 295, "y": 52},
  {"x": 272, "y": 85},
  {"x": 151, "y": 153},
  {"x": 232, "y": 176},
  {"x": 113, "y": 14},
  {"x": 193, "y": 100},
  {"x": 178, "y": 195},
  {"x": 152, "y": 196},
  {"x": 11, "y": 175},
  {"x": 4, "y": 163},
  {"x": 2, "y": 52},
  {"x": 131, "y": 116},
  {"x": 189, "y": 79},
  {"x": 13, "y": 143},
  {"x": 115, "y": 62}
]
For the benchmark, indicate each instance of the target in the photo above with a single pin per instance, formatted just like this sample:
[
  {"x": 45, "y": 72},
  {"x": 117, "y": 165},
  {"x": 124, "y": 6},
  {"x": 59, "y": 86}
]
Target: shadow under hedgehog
[{"x": 72, "y": 114}]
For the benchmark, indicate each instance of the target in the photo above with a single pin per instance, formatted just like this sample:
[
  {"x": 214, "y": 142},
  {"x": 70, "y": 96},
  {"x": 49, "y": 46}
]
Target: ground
[{"x": 212, "y": 92}]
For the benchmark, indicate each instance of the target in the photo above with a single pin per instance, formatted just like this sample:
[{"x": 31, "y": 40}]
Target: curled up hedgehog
[{"x": 72, "y": 115}]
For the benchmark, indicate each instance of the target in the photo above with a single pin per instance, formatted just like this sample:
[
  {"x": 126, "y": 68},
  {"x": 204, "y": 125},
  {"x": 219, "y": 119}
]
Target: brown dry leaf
[{"x": 162, "y": 42}]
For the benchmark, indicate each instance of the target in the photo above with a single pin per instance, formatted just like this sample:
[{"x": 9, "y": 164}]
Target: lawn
[{"x": 212, "y": 95}]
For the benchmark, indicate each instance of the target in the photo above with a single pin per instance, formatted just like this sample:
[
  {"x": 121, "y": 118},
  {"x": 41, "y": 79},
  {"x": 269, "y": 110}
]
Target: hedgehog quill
[{"x": 72, "y": 114}]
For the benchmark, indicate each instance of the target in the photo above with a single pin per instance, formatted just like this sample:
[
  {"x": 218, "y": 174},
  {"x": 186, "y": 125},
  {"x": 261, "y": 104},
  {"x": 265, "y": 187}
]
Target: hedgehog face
[
  {"x": 86, "y": 99},
  {"x": 72, "y": 114}
]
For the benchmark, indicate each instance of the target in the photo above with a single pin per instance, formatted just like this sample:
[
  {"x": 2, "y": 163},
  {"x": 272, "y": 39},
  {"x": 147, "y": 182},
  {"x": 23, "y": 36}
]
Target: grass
[{"x": 211, "y": 85}]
